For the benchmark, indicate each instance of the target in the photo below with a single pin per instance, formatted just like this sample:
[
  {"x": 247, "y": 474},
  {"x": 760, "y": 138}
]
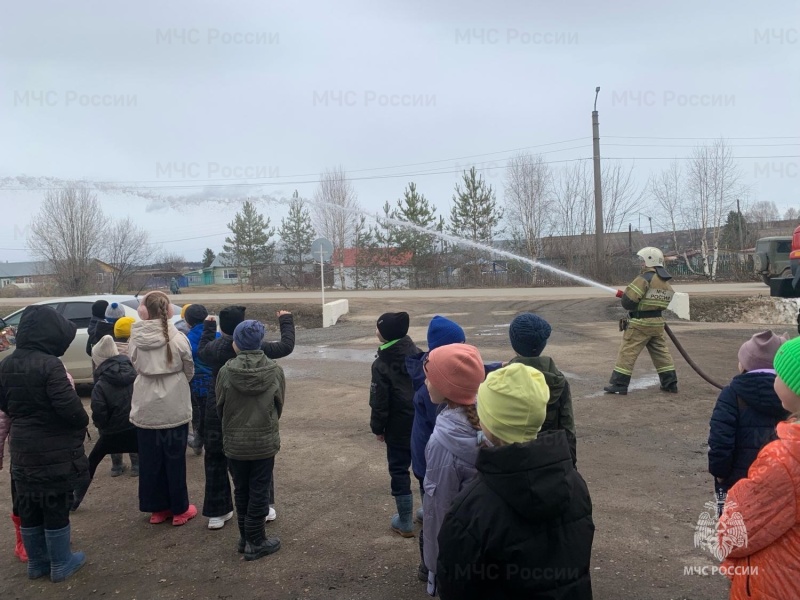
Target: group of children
[
  {"x": 754, "y": 456},
  {"x": 491, "y": 445},
  {"x": 504, "y": 513},
  {"x": 145, "y": 378}
]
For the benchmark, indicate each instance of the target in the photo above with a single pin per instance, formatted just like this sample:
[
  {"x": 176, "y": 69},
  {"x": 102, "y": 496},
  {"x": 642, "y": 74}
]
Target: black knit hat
[
  {"x": 195, "y": 314},
  {"x": 393, "y": 326},
  {"x": 99, "y": 309},
  {"x": 230, "y": 317},
  {"x": 529, "y": 334}
]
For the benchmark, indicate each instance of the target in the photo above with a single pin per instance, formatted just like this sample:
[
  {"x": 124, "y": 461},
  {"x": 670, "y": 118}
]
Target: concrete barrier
[
  {"x": 331, "y": 311},
  {"x": 680, "y": 305}
]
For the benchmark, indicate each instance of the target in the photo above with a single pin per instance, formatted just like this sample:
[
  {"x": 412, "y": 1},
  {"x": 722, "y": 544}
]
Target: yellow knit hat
[
  {"x": 183, "y": 311},
  {"x": 122, "y": 328},
  {"x": 512, "y": 402}
]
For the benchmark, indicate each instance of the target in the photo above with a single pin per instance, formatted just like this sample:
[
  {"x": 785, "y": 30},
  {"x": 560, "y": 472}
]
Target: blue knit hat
[
  {"x": 528, "y": 334},
  {"x": 114, "y": 312},
  {"x": 248, "y": 335},
  {"x": 443, "y": 331}
]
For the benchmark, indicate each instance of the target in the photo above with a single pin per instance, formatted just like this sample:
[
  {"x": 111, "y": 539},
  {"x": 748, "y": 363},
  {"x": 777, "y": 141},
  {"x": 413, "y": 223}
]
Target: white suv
[{"x": 78, "y": 309}]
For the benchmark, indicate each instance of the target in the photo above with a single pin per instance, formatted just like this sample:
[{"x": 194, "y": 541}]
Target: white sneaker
[
  {"x": 219, "y": 522},
  {"x": 272, "y": 515}
]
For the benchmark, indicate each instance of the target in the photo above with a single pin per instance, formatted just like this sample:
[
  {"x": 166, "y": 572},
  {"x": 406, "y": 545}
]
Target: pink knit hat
[
  {"x": 759, "y": 351},
  {"x": 457, "y": 371}
]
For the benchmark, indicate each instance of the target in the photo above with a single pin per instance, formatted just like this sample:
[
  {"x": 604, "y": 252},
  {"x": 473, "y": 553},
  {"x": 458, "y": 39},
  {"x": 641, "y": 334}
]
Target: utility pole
[
  {"x": 598, "y": 194},
  {"x": 741, "y": 233}
]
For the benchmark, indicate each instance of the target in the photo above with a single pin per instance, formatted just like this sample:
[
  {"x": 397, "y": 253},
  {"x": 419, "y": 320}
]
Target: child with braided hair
[
  {"x": 161, "y": 409},
  {"x": 453, "y": 375}
]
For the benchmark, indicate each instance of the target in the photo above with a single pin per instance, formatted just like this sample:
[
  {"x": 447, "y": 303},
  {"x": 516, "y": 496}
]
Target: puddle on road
[
  {"x": 636, "y": 384},
  {"x": 326, "y": 352}
]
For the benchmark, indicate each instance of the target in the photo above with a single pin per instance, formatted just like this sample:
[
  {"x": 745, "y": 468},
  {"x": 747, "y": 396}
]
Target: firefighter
[{"x": 646, "y": 297}]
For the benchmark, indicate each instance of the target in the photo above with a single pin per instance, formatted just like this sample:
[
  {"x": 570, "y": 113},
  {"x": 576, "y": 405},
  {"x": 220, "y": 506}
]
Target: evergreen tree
[
  {"x": 387, "y": 236},
  {"x": 367, "y": 257},
  {"x": 475, "y": 214},
  {"x": 208, "y": 257},
  {"x": 297, "y": 234},
  {"x": 734, "y": 232},
  {"x": 414, "y": 208},
  {"x": 249, "y": 247}
]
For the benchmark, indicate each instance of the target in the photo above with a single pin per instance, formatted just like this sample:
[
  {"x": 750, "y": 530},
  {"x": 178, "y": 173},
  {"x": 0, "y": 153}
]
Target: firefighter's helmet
[{"x": 653, "y": 257}]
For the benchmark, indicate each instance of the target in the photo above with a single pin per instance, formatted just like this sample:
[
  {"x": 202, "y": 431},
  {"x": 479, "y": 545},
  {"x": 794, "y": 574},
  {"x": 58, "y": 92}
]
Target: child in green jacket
[{"x": 250, "y": 390}]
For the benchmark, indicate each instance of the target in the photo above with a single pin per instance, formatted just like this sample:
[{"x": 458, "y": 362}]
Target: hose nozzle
[{"x": 620, "y": 293}]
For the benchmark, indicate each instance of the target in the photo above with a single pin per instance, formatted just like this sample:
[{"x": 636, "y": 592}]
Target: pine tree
[
  {"x": 367, "y": 251},
  {"x": 249, "y": 246},
  {"x": 208, "y": 257},
  {"x": 734, "y": 232},
  {"x": 297, "y": 234},
  {"x": 475, "y": 214},
  {"x": 414, "y": 208},
  {"x": 387, "y": 236}
]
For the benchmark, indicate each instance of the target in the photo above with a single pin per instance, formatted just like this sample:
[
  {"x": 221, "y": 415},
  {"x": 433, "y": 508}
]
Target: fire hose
[
  {"x": 685, "y": 354},
  {"x": 689, "y": 360}
]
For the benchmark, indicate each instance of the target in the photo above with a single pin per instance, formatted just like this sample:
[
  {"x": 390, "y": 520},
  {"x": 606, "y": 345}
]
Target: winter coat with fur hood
[{"x": 161, "y": 396}]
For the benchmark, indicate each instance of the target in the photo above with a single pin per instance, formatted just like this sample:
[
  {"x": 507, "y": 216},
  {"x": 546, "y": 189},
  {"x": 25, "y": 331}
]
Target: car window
[
  {"x": 783, "y": 247},
  {"x": 79, "y": 313},
  {"x": 13, "y": 319}
]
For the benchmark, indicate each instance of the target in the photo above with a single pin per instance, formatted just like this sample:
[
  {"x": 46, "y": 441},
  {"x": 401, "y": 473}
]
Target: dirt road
[{"x": 643, "y": 456}]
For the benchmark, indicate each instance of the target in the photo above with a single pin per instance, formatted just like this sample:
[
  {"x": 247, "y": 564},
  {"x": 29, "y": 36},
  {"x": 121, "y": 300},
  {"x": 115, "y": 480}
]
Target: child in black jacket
[
  {"x": 111, "y": 408},
  {"x": 391, "y": 398}
]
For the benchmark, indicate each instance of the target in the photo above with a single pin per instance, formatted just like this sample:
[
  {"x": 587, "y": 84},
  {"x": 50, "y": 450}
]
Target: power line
[
  {"x": 691, "y": 146},
  {"x": 644, "y": 137}
]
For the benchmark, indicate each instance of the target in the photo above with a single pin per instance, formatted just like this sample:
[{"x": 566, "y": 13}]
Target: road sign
[{"x": 322, "y": 249}]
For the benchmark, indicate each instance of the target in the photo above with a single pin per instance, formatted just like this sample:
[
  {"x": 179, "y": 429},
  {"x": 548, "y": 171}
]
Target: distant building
[{"x": 219, "y": 272}]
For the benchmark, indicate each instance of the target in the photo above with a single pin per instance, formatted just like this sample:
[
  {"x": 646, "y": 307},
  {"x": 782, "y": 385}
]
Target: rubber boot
[
  {"x": 79, "y": 494},
  {"x": 36, "y": 548},
  {"x": 117, "y": 468},
  {"x": 669, "y": 381},
  {"x": 402, "y": 522},
  {"x": 19, "y": 547},
  {"x": 63, "y": 562},
  {"x": 618, "y": 384},
  {"x": 134, "y": 464},
  {"x": 258, "y": 544}
]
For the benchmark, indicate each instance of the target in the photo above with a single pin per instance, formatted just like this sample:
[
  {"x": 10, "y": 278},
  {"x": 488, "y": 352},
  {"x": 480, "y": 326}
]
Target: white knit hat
[{"x": 104, "y": 349}]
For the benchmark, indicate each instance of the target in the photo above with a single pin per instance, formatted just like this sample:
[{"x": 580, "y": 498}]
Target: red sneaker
[
  {"x": 184, "y": 518},
  {"x": 160, "y": 516}
]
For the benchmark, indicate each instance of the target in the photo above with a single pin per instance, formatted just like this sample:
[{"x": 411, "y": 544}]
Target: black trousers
[
  {"x": 251, "y": 483},
  {"x": 14, "y": 499},
  {"x": 112, "y": 443},
  {"x": 399, "y": 458},
  {"x": 162, "y": 470},
  {"x": 44, "y": 508},
  {"x": 199, "y": 404}
]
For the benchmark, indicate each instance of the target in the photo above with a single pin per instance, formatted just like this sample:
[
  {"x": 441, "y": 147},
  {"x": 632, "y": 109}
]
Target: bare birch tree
[
  {"x": 713, "y": 180},
  {"x": 126, "y": 249},
  {"x": 573, "y": 211},
  {"x": 68, "y": 232},
  {"x": 336, "y": 213},
  {"x": 620, "y": 196},
  {"x": 668, "y": 190},
  {"x": 528, "y": 200}
]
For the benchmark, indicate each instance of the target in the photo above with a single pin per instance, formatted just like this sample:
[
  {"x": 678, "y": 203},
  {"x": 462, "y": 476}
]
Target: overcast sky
[{"x": 196, "y": 96}]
